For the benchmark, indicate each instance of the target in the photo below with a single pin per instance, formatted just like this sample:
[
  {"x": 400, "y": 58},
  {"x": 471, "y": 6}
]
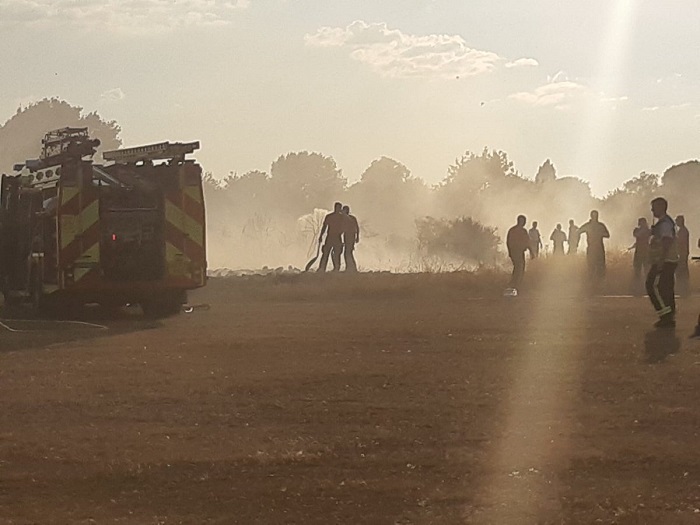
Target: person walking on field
[
  {"x": 351, "y": 236},
  {"x": 535, "y": 241},
  {"x": 518, "y": 242},
  {"x": 683, "y": 272},
  {"x": 663, "y": 253},
  {"x": 558, "y": 239},
  {"x": 595, "y": 232},
  {"x": 640, "y": 261},
  {"x": 574, "y": 237},
  {"x": 333, "y": 225}
]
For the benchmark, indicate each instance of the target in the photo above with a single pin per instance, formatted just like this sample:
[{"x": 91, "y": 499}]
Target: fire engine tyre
[
  {"x": 37, "y": 295},
  {"x": 163, "y": 306}
]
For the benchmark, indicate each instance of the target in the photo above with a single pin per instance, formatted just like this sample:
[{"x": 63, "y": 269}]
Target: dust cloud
[{"x": 273, "y": 219}]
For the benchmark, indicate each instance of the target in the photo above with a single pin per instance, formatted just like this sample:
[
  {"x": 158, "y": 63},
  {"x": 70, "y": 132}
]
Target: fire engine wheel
[
  {"x": 37, "y": 295},
  {"x": 162, "y": 307}
]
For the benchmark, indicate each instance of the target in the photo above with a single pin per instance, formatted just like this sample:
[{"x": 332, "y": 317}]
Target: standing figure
[
  {"x": 574, "y": 237},
  {"x": 595, "y": 232},
  {"x": 535, "y": 241},
  {"x": 333, "y": 224},
  {"x": 558, "y": 239},
  {"x": 683, "y": 272},
  {"x": 351, "y": 236},
  {"x": 663, "y": 253},
  {"x": 640, "y": 262},
  {"x": 518, "y": 242}
]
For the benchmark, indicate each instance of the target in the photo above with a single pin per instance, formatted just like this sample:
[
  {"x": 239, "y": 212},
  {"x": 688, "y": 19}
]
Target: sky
[{"x": 604, "y": 88}]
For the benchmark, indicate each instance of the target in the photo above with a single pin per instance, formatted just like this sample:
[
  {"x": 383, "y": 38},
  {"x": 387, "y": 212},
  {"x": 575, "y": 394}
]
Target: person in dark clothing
[
  {"x": 333, "y": 225},
  {"x": 558, "y": 239},
  {"x": 640, "y": 261},
  {"x": 663, "y": 254},
  {"x": 595, "y": 232},
  {"x": 682, "y": 271},
  {"x": 351, "y": 236},
  {"x": 518, "y": 242},
  {"x": 535, "y": 241},
  {"x": 574, "y": 237}
]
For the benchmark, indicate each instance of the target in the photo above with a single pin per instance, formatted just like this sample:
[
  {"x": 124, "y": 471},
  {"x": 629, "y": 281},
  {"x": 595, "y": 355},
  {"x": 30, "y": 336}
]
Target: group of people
[
  {"x": 342, "y": 233},
  {"x": 520, "y": 240},
  {"x": 642, "y": 257},
  {"x": 559, "y": 237},
  {"x": 662, "y": 251}
]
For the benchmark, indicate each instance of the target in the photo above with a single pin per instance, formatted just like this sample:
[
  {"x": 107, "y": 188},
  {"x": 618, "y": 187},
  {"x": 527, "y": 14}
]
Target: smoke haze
[
  {"x": 258, "y": 220},
  {"x": 273, "y": 218}
]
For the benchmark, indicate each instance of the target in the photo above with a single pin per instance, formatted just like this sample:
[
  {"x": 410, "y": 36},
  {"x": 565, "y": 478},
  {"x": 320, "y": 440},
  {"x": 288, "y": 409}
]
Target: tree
[
  {"x": 474, "y": 179},
  {"x": 463, "y": 239},
  {"x": 644, "y": 185},
  {"x": 682, "y": 180},
  {"x": 250, "y": 190},
  {"x": 387, "y": 196},
  {"x": 20, "y": 136},
  {"x": 473, "y": 173},
  {"x": 546, "y": 173},
  {"x": 385, "y": 173},
  {"x": 303, "y": 181}
]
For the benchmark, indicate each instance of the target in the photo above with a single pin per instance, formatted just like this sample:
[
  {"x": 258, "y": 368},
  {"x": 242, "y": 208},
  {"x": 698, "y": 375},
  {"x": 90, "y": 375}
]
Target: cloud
[
  {"x": 112, "y": 95},
  {"x": 392, "y": 53},
  {"x": 615, "y": 99},
  {"x": 673, "y": 107},
  {"x": 128, "y": 15},
  {"x": 523, "y": 62},
  {"x": 560, "y": 94}
]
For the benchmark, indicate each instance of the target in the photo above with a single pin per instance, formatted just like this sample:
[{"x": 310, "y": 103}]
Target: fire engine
[{"x": 131, "y": 230}]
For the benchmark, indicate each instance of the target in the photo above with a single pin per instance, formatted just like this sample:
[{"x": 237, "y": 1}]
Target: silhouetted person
[
  {"x": 595, "y": 232},
  {"x": 640, "y": 261},
  {"x": 351, "y": 236},
  {"x": 333, "y": 225},
  {"x": 574, "y": 237},
  {"x": 558, "y": 239},
  {"x": 535, "y": 241},
  {"x": 663, "y": 254},
  {"x": 683, "y": 272},
  {"x": 518, "y": 242}
]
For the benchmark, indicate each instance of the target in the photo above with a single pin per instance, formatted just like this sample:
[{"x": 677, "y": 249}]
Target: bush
[{"x": 462, "y": 239}]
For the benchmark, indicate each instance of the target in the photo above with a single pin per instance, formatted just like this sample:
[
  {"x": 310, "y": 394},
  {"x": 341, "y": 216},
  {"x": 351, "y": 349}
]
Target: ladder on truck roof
[{"x": 151, "y": 152}]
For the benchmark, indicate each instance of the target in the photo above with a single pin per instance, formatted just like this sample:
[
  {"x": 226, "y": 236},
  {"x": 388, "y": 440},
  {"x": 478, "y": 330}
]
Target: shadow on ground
[
  {"x": 660, "y": 344},
  {"x": 19, "y": 330}
]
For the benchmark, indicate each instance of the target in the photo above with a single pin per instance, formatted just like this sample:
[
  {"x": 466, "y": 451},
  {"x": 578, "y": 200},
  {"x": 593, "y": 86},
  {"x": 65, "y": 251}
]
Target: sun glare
[{"x": 608, "y": 86}]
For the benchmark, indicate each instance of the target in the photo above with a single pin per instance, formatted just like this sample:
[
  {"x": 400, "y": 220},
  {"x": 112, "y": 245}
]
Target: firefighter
[
  {"x": 333, "y": 225},
  {"x": 558, "y": 239},
  {"x": 535, "y": 241},
  {"x": 683, "y": 272},
  {"x": 663, "y": 254},
  {"x": 518, "y": 242},
  {"x": 351, "y": 236},
  {"x": 595, "y": 232},
  {"x": 574, "y": 237},
  {"x": 640, "y": 261}
]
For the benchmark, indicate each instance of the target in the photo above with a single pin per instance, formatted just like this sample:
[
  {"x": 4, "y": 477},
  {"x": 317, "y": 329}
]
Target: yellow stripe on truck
[
  {"x": 194, "y": 193},
  {"x": 183, "y": 222},
  {"x": 68, "y": 193},
  {"x": 89, "y": 215},
  {"x": 178, "y": 264}
]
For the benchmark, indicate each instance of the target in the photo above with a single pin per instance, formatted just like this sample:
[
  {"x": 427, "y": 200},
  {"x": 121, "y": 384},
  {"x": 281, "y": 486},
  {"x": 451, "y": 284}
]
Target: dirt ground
[{"x": 373, "y": 400}]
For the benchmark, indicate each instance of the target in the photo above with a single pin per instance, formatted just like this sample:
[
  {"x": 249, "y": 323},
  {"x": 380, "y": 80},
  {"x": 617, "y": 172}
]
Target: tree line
[{"x": 269, "y": 217}]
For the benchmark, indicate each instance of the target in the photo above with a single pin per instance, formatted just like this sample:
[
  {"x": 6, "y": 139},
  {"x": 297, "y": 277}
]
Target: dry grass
[{"x": 566, "y": 275}]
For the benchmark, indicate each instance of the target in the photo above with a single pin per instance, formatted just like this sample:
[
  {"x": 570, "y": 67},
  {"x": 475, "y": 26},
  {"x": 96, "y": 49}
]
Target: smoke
[{"x": 258, "y": 220}]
